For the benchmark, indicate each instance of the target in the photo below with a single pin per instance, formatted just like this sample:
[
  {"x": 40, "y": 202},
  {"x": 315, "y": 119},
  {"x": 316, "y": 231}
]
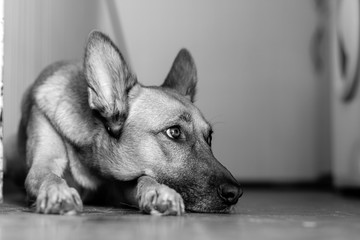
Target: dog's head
[{"x": 163, "y": 134}]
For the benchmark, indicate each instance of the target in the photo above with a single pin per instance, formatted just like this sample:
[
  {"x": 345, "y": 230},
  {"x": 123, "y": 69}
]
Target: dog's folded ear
[
  {"x": 109, "y": 80},
  {"x": 183, "y": 75}
]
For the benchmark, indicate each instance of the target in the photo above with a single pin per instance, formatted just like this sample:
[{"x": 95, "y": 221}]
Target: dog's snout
[{"x": 230, "y": 193}]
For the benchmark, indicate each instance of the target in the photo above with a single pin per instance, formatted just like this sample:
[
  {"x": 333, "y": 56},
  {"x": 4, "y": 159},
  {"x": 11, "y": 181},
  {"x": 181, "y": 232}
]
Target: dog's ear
[
  {"x": 109, "y": 80},
  {"x": 183, "y": 75}
]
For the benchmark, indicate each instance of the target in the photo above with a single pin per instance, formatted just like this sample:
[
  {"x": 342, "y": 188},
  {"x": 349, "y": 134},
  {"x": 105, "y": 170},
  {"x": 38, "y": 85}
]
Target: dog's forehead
[{"x": 159, "y": 106}]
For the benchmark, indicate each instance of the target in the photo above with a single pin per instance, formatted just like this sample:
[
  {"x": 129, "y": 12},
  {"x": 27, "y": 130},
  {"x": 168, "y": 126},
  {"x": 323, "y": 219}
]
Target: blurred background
[{"x": 278, "y": 79}]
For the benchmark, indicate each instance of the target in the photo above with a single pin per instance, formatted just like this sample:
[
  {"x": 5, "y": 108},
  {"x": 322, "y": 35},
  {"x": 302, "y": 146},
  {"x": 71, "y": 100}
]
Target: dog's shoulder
[
  {"x": 60, "y": 93},
  {"x": 59, "y": 82}
]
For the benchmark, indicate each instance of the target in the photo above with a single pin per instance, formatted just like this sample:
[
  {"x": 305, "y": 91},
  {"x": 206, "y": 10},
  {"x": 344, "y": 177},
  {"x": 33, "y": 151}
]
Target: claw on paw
[
  {"x": 162, "y": 200},
  {"x": 58, "y": 199}
]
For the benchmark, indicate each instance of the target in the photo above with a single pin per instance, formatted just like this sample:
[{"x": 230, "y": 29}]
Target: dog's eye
[
  {"x": 173, "y": 132},
  {"x": 113, "y": 132}
]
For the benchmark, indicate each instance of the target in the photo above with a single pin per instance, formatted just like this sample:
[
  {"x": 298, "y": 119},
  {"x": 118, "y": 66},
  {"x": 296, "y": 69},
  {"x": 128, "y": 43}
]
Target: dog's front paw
[
  {"x": 162, "y": 200},
  {"x": 58, "y": 199}
]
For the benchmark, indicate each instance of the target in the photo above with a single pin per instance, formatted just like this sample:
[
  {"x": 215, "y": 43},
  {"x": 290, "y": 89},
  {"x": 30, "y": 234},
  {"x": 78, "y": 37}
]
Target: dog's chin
[{"x": 221, "y": 210}]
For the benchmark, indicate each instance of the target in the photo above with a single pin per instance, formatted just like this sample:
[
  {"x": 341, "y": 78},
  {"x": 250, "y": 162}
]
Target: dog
[{"x": 90, "y": 132}]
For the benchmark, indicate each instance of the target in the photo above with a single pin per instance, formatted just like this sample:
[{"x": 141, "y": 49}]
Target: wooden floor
[{"x": 259, "y": 215}]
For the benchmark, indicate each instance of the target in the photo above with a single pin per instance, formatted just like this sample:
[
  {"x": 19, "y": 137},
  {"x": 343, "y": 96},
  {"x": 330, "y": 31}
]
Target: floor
[{"x": 260, "y": 214}]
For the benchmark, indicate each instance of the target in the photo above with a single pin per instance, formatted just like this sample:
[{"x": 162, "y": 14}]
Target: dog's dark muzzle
[{"x": 230, "y": 193}]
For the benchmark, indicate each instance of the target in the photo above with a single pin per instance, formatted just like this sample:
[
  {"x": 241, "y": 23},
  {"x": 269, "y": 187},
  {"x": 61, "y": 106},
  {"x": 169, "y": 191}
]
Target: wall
[
  {"x": 256, "y": 81},
  {"x": 38, "y": 32},
  {"x": 1, "y": 96},
  {"x": 343, "y": 24}
]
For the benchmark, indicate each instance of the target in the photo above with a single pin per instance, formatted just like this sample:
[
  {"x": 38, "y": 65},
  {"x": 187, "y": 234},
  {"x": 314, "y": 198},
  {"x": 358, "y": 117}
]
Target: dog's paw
[
  {"x": 58, "y": 199},
  {"x": 162, "y": 200}
]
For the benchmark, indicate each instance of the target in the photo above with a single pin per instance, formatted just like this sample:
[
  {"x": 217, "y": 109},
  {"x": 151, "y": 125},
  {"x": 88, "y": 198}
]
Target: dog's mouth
[
  {"x": 206, "y": 196},
  {"x": 209, "y": 206},
  {"x": 224, "y": 210},
  {"x": 208, "y": 202}
]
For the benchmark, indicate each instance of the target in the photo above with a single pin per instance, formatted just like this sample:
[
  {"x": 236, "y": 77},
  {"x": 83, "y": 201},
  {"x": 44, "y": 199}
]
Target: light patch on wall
[{"x": 1, "y": 92}]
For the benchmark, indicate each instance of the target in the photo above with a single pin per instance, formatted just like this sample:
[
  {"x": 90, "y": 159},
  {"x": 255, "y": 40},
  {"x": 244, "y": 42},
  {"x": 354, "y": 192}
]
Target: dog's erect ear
[
  {"x": 183, "y": 75},
  {"x": 109, "y": 80}
]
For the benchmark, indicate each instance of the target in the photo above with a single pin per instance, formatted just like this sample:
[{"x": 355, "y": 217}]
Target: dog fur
[{"x": 91, "y": 132}]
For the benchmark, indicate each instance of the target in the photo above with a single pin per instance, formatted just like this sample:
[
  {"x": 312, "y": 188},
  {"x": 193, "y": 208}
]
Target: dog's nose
[{"x": 230, "y": 193}]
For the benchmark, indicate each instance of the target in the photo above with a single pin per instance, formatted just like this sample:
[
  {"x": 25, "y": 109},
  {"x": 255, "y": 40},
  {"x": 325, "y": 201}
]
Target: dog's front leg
[
  {"x": 154, "y": 198},
  {"x": 158, "y": 199},
  {"x": 47, "y": 157},
  {"x": 53, "y": 195}
]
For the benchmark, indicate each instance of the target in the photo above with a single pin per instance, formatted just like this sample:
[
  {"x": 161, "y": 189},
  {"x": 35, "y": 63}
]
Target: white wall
[
  {"x": 38, "y": 32},
  {"x": 256, "y": 82},
  {"x": 345, "y": 125},
  {"x": 1, "y": 95}
]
